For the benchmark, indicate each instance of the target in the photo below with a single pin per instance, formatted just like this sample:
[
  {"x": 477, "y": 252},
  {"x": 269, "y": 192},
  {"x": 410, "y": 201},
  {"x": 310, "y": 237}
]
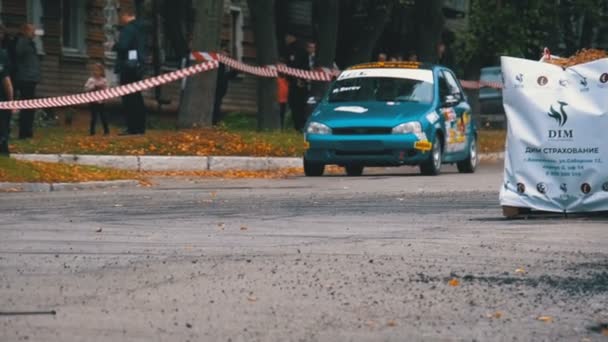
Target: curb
[
  {"x": 157, "y": 163},
  {"x": 167, "y": 163},
  {"x": 186, "y": 163},
  {"x": 53, "y": 187}
]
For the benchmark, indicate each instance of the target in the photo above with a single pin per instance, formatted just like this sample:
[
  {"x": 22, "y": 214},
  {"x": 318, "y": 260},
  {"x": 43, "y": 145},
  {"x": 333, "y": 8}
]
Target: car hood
[{"x": 368, "y": 114}]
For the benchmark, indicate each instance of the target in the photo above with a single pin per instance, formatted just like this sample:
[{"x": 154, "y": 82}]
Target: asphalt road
[{"x": 373, "y": 258}]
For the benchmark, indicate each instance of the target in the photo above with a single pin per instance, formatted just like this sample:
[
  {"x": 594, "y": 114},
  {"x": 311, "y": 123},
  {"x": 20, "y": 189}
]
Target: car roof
[{"x": 393, "y": 65}]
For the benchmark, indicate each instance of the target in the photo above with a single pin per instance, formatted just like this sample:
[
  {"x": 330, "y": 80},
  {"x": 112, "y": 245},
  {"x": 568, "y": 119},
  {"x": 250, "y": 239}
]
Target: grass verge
[
  {"x": 16, "y": 171},
  {"x": 12, "y": 170},
  {"x": 236, "y": 137}
]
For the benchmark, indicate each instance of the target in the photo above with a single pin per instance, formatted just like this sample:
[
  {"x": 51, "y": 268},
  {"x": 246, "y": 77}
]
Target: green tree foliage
[{"x": 522, "y": 28}]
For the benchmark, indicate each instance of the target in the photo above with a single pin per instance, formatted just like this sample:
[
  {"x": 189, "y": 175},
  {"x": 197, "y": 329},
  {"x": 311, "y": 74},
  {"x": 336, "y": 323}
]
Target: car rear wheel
[
  {"x": 312, "y": 169},
  {"x": 470, "y": 164},
  {"x": 432, "y": 166},
  {"x": 354, "y": 170}
]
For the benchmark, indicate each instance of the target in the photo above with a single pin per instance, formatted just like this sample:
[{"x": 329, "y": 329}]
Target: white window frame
[
  {"x": 35, "y": 12},
  {"x": 238, "y": 35},
  {"x": 80, "y": 50}
]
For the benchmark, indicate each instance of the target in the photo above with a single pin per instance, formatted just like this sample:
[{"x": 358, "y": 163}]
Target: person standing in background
[
  {"x": 282, "y": 97},
  {"x": 224, "y": 75},
  {"x": 27, "y": 76},
  {"x": 130, "y": 62},
  {"x": 6, "y": 94},
  {"x": 299, "y": 89},
  {"x": 97, "y": 81},
  {"x": 297, "y": 93}
]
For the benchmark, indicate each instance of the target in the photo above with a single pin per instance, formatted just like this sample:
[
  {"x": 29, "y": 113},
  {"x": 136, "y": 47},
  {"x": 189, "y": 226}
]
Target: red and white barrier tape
[
  {"x": 268, "y": 71},
  {"x": 100, "y": 95},
  {"x": 208, "y": 61},
  {"x": 480, "y": 84},
  {"x": 320, "y": 74},
  {"x": 312, "y": 75}
]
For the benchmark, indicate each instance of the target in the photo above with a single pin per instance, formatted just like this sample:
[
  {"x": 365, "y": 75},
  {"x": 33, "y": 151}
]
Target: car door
[{"x": 457, "y": 117}]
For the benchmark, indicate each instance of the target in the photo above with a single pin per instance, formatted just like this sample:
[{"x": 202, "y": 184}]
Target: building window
[
  {"x": 236, "y": 33},
  {"x": 34, "y": 15},
  {"x": 74, "y": 28}
]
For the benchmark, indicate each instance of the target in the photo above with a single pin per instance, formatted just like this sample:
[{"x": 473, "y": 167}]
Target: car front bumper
[{"x": 366, "y": 150}]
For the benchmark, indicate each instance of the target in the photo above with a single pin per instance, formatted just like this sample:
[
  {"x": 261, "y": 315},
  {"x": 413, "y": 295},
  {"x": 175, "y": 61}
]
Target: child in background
[
  {"x": 97, "y": 81},
  {"x": 282, "y": 96}
]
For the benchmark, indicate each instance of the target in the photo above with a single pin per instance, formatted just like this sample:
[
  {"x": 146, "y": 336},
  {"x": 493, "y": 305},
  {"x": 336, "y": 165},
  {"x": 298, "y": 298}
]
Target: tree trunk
[
  {"x": 364, "y": 46},
  {"x": 429, "y": 27},
  {"x": 264, "y": 29},
  {"x": 196, "y": 107},
  {"x": 327, "y": 31}
]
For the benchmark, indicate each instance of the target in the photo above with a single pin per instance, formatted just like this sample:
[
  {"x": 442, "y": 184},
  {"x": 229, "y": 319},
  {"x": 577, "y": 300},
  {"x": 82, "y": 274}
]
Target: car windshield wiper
[{"x": 406, "y": 100}]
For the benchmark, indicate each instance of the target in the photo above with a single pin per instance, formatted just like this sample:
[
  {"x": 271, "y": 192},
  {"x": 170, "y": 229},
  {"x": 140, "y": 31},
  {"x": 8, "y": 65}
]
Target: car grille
[
  {"x": 363, "y": 153},
  {"x": 362, "y": 131}
]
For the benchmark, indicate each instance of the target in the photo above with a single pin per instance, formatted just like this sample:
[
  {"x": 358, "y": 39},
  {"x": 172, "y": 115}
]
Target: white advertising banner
[{"x": 557, "y": 141}]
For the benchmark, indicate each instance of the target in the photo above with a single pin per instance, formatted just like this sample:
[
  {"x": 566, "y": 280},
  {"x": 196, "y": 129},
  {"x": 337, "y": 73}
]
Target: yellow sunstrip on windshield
[{"x": 403, "y": 65}]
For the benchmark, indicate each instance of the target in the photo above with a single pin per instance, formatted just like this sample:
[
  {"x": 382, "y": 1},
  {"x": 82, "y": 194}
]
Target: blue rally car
[{"x": 392, "y": 114}]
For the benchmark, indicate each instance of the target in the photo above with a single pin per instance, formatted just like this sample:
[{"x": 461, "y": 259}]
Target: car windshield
[{"x": 381, "y": 89}]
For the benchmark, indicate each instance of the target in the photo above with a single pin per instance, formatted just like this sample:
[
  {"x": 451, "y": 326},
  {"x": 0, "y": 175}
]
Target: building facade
[{"x": 77, "y": 33}]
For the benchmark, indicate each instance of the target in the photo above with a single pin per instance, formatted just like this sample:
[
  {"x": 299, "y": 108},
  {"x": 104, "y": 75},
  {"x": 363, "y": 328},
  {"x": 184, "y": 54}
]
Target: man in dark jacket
[
  {"x": 130, "y": 61},
  {"x": 6, "y": 94},
  {"x": 224, "y": 75},
  {"x": 298, "y": 57},
  {"x": 27, "y": 76}
]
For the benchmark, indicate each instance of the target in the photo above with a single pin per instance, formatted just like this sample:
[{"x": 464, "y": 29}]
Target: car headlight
[
  {"x": 408, "y": 127},
  {"x": 318, "y": 128}
]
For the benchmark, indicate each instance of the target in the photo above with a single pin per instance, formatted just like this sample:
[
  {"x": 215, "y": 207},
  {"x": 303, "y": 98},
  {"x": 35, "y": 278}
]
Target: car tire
[
  {"x": 470, "y": 164},
  {"x": 354, "y": 170},
  {"x": 312, "y": 169},
  {"x": 432, "y": 166}
]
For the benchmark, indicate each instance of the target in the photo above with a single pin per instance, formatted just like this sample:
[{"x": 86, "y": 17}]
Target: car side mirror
[{"x": 450, "y": 101}]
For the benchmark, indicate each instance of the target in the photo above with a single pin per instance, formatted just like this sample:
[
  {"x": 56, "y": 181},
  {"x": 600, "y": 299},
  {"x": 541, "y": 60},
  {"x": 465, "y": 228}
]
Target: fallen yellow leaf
[
  {"x": 496, "y": 315},
  {"x": 520, "y": 271},
  {"x": 454, "y": 282},
  {"x": 546, "y": 319}
]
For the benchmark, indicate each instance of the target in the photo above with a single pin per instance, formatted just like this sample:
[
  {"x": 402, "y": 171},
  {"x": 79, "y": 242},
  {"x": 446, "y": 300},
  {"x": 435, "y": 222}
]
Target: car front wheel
[
  {"x": 470, "y": 163},
  {"x": 312, "y": 169},
  {"x": 432, "y": 166}
]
